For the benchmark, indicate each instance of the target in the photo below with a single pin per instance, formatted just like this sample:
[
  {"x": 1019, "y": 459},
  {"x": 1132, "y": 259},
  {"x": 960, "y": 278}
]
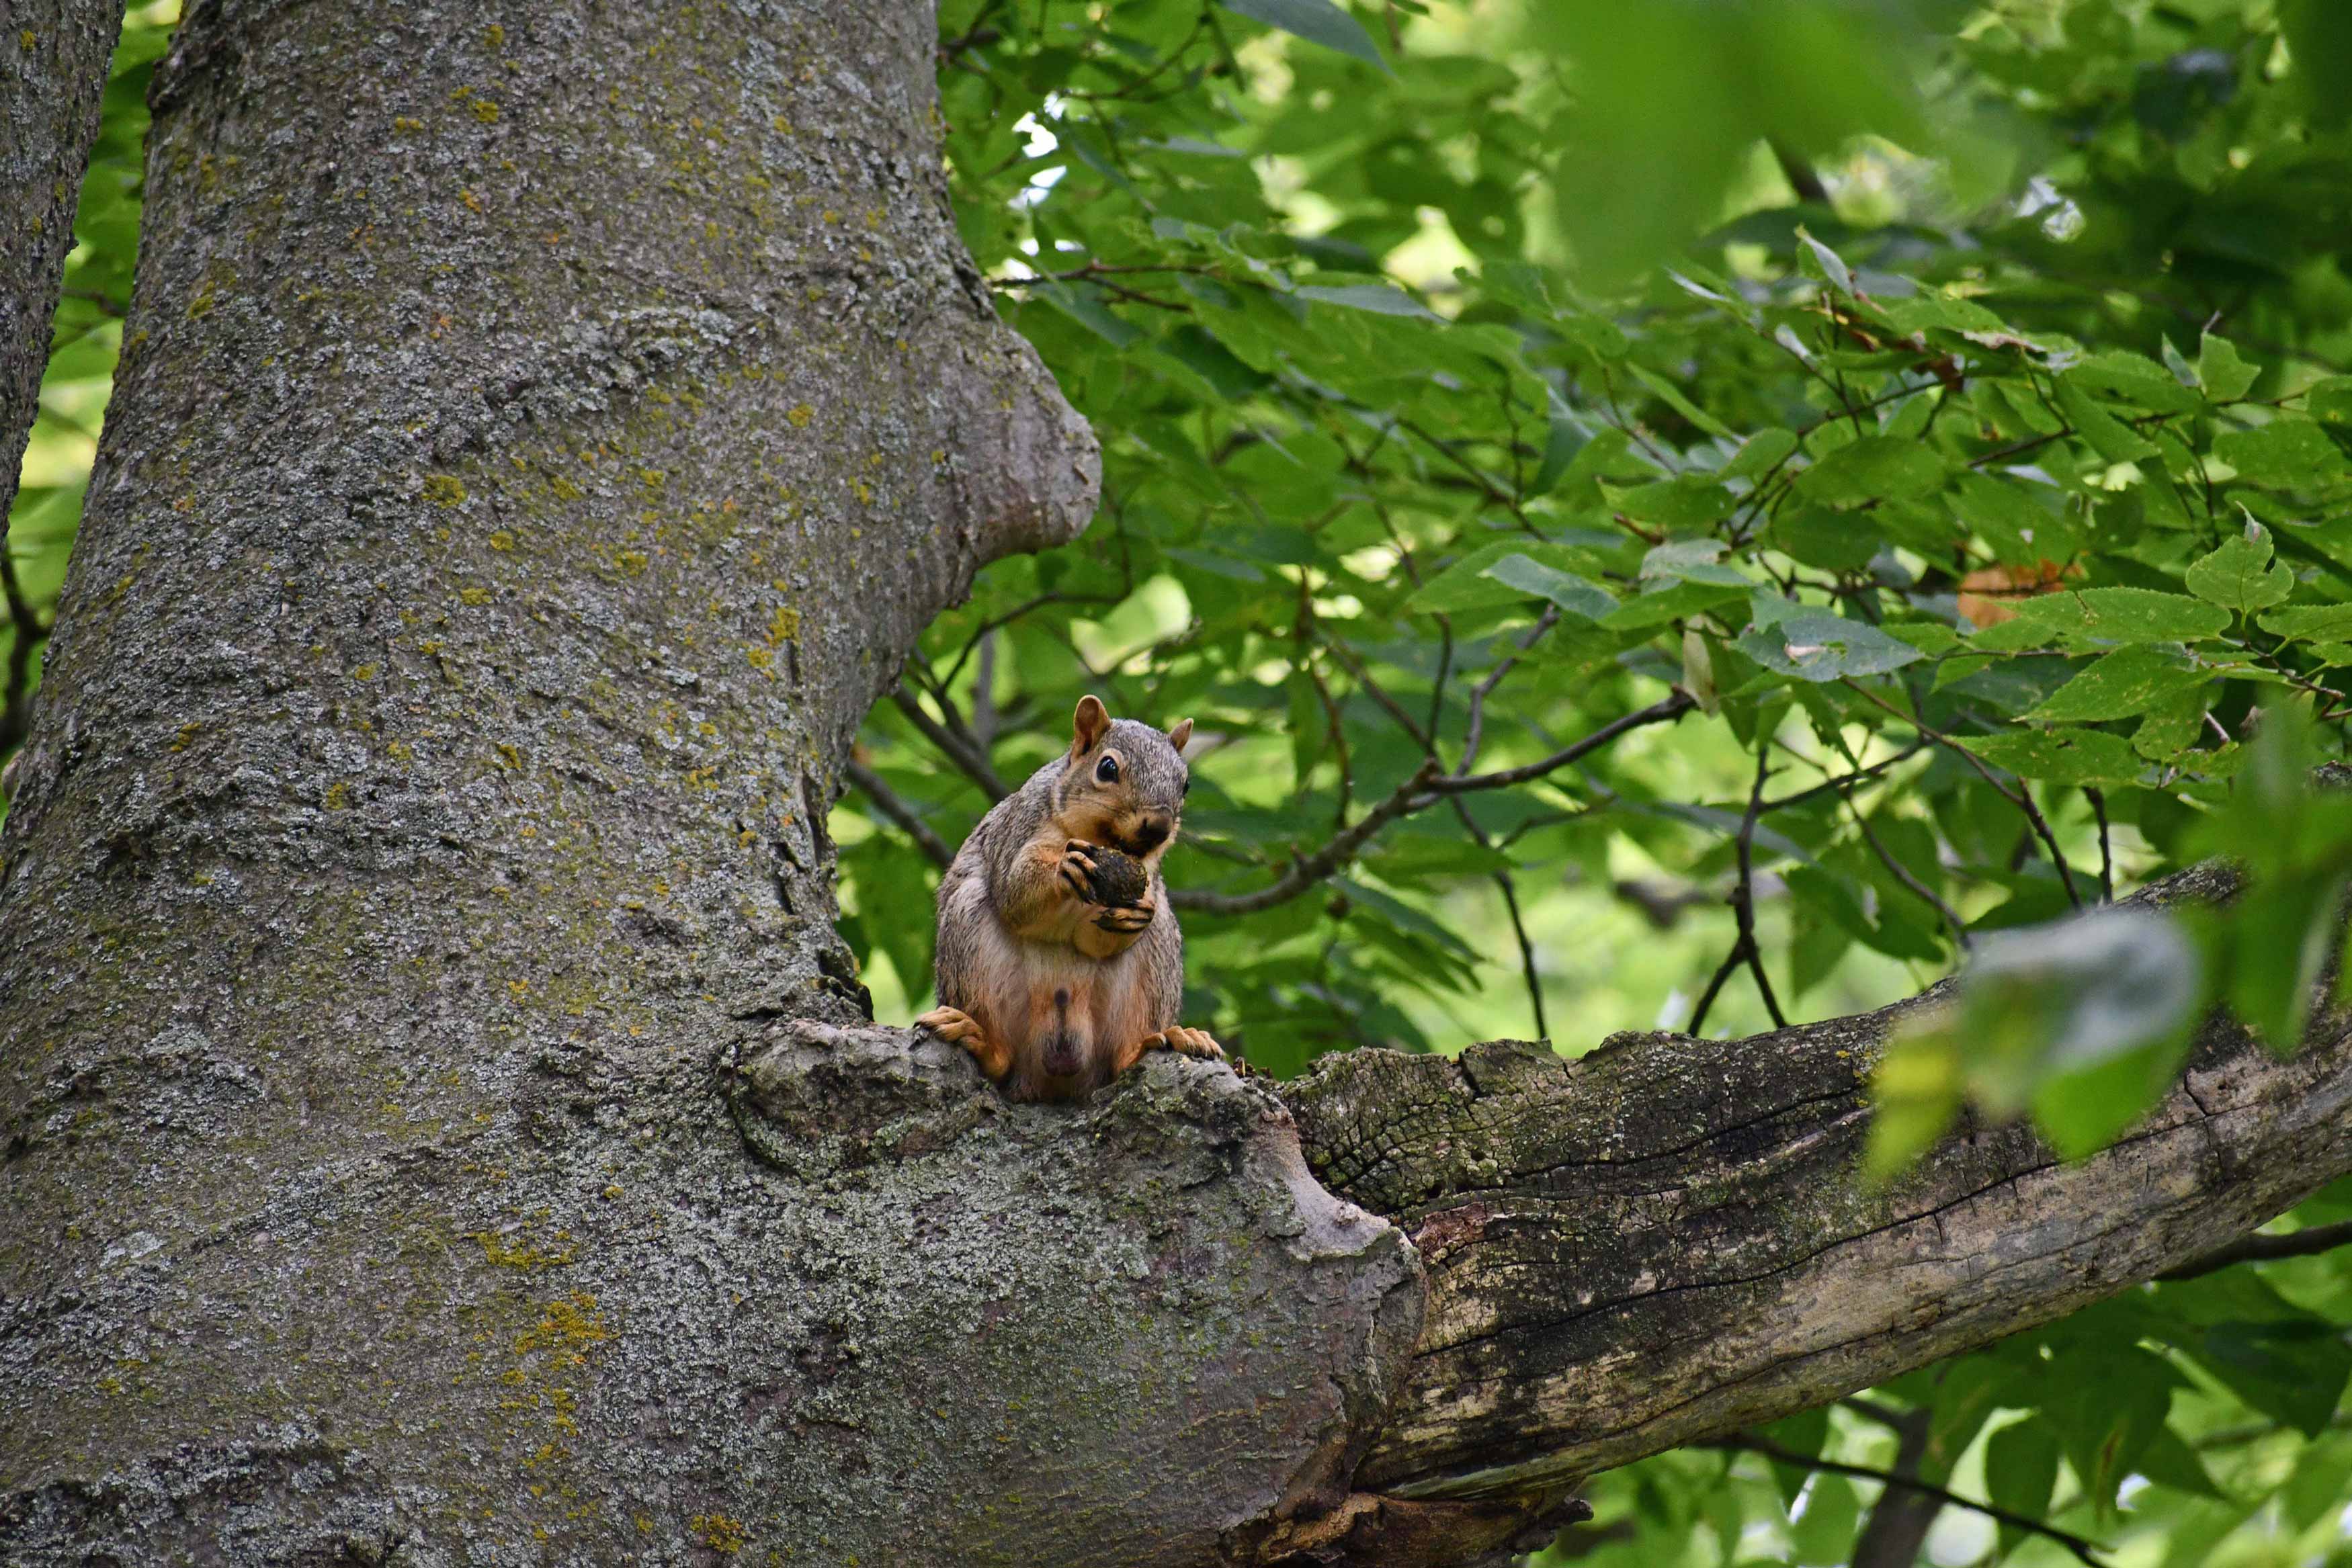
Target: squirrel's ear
[
  {"x": 1092, "y": 719},
  {"x": 1181, "y": 733}
]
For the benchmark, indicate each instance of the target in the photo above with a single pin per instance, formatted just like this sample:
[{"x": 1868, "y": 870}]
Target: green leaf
[
  {"x": 2240, "y": 575},
  {"x": 2127, "y": 682},
  {"x": 2311, "y": 622},
  {"x": 1672, "y": 397},
  {"x": 2105, "y": 616},
  {"x": 1570, "y": 592},
  {"x": 1380, "y": 299},
  {"x": 1760, "y": 453},
  {"x": 2106, "y": 1411},
  {"x": 1873, "y": 468},
  {"x": 2226, "y": 377},
  {"x": 2288, "y": 454},
  {"x": 2108, "y": 436},
  {"x": 1316, "y": 21},
  {"x": 1468, "y": 585},
  {"x": 1672, "y": 598},
  {"x": 2062, "y": 756},
  {"x": 1816, "y": 646},
  {"x": 1831, "y": 265},
  {"x": 2020, "y": 1471},
  {"x": 2136, "y": 380}
]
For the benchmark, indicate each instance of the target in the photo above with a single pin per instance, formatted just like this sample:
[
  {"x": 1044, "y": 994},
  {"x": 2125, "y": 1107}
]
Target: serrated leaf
[
  {"x": 1819, "y": 646},
  {"x": 2127, "y": 682},
  {"x": 2021, "y": 1469},
  {"x": 2288, "y": 454},
  {"x": 1672, "y": 396},
  {"x": 1380, "y": 299},
  {"x": 1760, "y": 453},
  {"x": 1316, "y": 21},
  {"x": 2310, "y": 622},
  {"x": 1566, "y": 590},
  {"x": 2225, "y": 376},
  {"x": 1466, "y": 585},
  {"x": 1831, "y": 265},
  {"x": 2240, "y": 575},
  {"x": 1672, "y": 599},
  {"x": 2105, "y": 616},
  {"x": 2062, "y": 756},
  {"x": 1873, "y": 468},
  {"x": 2108, "y": 436}
]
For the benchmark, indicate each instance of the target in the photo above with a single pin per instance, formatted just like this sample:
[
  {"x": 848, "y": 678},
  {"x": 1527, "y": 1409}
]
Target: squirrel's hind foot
[
  {"x": 1184, "y": 1041},
  {"x": 959, "y": 1028}
]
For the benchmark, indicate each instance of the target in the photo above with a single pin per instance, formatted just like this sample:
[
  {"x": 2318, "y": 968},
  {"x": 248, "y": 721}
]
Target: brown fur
[{"x": 1053, "y": 992}]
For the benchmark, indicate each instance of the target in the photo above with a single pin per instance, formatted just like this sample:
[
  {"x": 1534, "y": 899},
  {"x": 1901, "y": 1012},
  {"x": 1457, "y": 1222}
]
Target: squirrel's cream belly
[{"x": 1063, "y": 1014}]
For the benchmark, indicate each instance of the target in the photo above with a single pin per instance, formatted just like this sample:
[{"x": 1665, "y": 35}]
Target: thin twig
[
  {"x": 1423, "y": 790},
  {"x": 2098, "y": 800},
  {"x": 1911, "y": 883},
  {"x": 1473, "y": 735},
  {"x": 1520, "y": 929},
  {"x": 1308, "y": 870},
  {"x": 2084, "y": 1549},
  {"x": 974, "y": 764},
  {"x": 1669, "y": 707},
  {"x": 16, "y": 694},
  {"x": 2022, "y": 798},
  {"x": 887, "y": 801},
  {"x": 1743, "y": 895},
  {"x": 1842, "y": 782},
  {"x": 2266, "y": 1248}
]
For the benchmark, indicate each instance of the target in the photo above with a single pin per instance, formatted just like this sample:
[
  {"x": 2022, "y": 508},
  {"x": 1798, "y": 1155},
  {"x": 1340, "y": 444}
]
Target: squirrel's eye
[{"x": 1107, "y": 771}]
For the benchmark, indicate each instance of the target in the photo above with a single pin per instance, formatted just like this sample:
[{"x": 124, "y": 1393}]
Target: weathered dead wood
[{"x": 1667, "y": 1241}]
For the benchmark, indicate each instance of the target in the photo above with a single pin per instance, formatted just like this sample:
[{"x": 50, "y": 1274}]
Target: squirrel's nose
[{"x": 1152, "y": 829}]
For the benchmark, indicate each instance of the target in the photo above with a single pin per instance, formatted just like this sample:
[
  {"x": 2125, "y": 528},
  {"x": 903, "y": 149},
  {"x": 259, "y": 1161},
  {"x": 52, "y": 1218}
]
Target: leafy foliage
[{"x": 1694, "y": 513}]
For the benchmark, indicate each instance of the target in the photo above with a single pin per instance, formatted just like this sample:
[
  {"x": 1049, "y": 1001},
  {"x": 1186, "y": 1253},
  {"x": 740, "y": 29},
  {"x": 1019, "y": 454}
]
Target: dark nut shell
[{"x": 1118, "y": 879}]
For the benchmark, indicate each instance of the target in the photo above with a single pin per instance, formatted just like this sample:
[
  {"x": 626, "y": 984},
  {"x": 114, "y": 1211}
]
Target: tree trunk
[
  {"x": 441, "y": 1125},
  {"x": 53, "y": 60},
  {"x": 52, "y": 76}
]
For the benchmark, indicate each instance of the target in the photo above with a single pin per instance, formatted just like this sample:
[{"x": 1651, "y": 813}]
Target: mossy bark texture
[
  {"x": 542, "y": 430},
  {"x": 438, "y": 1125},
  {"x": 53, "y": 60},
  {"x": 1667, "y": 1241}
]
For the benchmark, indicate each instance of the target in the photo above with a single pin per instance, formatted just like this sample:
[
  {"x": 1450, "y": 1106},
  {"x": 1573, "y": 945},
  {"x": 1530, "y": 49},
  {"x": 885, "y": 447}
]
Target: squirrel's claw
[
  {"x": 1184, "y": 1041},
  {"x": 1078, "y": 867},
  {"x": 957, "y": 1027},
  {"x": 1126, "y": 918}
]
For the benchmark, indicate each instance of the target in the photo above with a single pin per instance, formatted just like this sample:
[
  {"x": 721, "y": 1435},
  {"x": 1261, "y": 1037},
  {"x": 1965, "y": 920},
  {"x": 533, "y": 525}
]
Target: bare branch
[
  {"x": 2266, "y": 1248},
  {"x": 2085, "y": 1549},
  {"x": 1423, "y": 789},
  {"x": 892, "y": 806},
  {"x": 1670, "y": 707},
  {"x": 975, "y": 764},
  {"x": 1308, "y": 870}
]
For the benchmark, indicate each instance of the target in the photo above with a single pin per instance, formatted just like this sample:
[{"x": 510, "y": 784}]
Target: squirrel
[{"x": 1059, "y": 965}]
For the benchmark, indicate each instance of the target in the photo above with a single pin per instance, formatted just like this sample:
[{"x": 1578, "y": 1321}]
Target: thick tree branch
[{"x": 1666, "y": 1241}]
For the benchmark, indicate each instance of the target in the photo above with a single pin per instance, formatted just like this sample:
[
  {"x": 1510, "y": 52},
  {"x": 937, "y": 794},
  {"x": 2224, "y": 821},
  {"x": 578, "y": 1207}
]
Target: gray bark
[
  {"x": 1666, "y": 1241},
  {"x": 53, "y": 60},
  {"x": 440, "y": 1125}
]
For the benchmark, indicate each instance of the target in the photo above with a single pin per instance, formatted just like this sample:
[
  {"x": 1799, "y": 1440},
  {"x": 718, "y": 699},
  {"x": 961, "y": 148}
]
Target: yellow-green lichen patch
[{"x": 445, "y": 490}]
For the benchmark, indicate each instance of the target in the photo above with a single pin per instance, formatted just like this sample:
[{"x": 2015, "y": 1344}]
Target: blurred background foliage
[{"x": 1685, "y": 514}]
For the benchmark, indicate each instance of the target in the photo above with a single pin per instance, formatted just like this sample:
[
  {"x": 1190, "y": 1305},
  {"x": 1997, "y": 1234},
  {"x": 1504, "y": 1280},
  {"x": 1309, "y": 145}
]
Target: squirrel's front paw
[
  {"x": 1127, "y": 919},
  {"x": 1078, "y": 869},
  {"x": 1186, "y": 1041}
]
